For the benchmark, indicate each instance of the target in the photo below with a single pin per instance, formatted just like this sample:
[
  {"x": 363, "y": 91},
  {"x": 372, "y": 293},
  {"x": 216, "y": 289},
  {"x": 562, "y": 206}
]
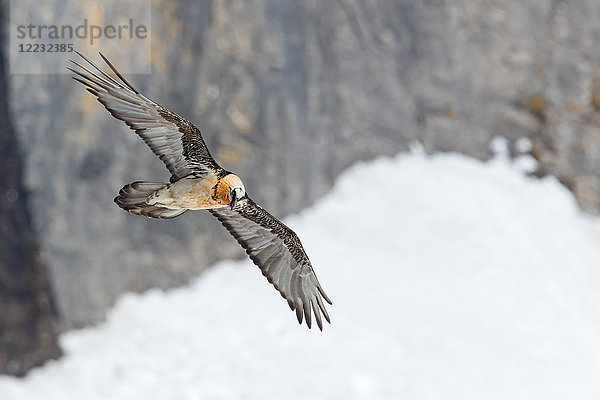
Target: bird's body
[
  {"x": 191, "y": 193},
  {"x": 199, "y": 183}
]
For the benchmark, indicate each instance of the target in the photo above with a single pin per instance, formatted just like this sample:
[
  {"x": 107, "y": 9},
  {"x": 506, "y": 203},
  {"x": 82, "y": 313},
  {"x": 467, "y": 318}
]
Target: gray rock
[{"x": 28, "y": 317}]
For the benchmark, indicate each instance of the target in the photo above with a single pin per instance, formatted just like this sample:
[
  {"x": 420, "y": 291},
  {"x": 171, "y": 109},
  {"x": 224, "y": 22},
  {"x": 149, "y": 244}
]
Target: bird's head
[{"x": 235, "y": 189}]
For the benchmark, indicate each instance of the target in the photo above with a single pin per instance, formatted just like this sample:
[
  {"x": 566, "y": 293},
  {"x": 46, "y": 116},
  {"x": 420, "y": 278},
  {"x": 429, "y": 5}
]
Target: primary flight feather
[{"x": 199, "y": 183}]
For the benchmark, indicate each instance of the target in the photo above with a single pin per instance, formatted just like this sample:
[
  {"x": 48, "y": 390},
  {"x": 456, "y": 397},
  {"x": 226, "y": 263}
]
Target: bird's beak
[{"x": 234, "y": 199}]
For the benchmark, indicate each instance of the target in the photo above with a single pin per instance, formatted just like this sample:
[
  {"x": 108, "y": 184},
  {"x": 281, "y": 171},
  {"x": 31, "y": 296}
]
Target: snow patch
[{"x": 450, "y": 279}]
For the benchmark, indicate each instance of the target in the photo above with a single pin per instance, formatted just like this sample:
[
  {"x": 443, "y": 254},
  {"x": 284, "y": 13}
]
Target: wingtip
[
  {"x": 116, "y": 72},
  {"x": 84, "y": 58},
  {"x": 299, "y": 315},
  {"x": 315, "y": 308},
  {"x": 324, "y": 295},
  {"x": 307, "y": 314},
  {"x": 103, "y": 57}
]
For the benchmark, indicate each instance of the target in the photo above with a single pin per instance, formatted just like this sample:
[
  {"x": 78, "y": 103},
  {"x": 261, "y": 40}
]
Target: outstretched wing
[
  {"x": 277, "y": 251},
  {"x": 175, "y": 140}
]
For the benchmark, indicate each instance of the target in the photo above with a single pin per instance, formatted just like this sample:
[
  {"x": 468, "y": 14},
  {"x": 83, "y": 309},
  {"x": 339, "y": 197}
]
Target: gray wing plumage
[
  {"x": 175, "y": 140},
  {"x": 277, "y": 251}
]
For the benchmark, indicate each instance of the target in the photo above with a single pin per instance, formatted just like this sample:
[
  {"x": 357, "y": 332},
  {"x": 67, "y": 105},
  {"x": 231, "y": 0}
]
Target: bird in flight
[{"x": 199, "y": 183}]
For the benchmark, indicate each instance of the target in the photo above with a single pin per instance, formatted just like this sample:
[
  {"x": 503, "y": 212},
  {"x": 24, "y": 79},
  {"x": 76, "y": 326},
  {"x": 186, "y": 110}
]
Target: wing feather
[
  {"x": 176, "y": 141},
  {"x": 277, "y": 251}
]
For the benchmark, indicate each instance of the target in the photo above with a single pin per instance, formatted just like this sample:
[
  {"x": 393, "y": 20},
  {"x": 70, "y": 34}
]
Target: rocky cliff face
[
  {"x": 288, "y": 94},
  {"x": 28, "y": 318}
]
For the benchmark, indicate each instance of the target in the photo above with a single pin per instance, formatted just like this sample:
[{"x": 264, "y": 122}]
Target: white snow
[{"x": 451, "y": 279}]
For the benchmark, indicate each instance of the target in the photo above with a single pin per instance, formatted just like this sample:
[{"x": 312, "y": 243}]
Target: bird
[{"x": 198, "y": 182}]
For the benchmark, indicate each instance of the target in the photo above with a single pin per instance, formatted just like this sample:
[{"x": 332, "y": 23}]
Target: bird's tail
[{"x": 133, "y": 198}]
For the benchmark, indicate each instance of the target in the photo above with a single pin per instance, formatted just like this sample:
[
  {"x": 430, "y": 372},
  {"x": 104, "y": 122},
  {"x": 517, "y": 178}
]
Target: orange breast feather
[{"x": 192, "y": 194}]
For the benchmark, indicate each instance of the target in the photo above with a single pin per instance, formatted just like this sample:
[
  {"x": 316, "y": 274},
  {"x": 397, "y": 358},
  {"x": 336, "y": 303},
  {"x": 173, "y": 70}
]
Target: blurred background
[{"x": 288, "y": 94}]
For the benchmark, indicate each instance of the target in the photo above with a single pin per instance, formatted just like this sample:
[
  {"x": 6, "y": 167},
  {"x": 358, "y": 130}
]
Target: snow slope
[{"x": 451, "y": 279}]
